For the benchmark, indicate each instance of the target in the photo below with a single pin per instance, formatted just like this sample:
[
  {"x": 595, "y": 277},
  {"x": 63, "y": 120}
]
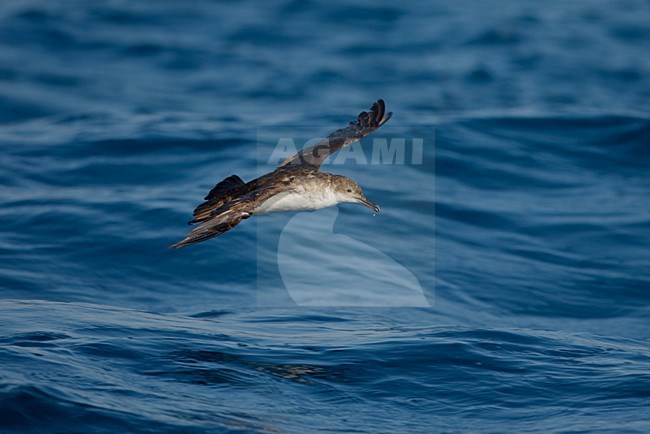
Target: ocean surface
[{"x": 504, "y": 287}]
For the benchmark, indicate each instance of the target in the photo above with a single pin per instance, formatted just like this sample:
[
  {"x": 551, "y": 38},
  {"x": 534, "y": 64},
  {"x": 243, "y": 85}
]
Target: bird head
[{"x": 349, "y": 191}]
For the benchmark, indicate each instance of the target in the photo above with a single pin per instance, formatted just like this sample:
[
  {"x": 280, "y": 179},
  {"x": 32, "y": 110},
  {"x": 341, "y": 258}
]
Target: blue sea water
[{"x": 525, "y": 227}]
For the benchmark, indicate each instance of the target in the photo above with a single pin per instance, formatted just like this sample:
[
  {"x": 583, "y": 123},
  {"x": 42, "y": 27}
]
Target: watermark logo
[
  {"x": 341, "y": 256},
  {"x": 383, "y": 151}
]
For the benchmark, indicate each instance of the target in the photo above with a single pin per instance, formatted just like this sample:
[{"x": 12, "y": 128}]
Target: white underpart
[{"x": 306, "y": 201}]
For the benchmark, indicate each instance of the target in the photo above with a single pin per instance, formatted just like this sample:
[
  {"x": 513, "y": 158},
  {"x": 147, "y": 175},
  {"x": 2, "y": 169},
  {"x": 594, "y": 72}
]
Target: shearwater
[{"x": 295, "y": 185}]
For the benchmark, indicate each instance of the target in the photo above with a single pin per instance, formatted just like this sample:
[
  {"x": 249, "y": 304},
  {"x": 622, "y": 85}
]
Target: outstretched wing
[
  {"x": 228, "y": 216},
  {"x": 222, "y": 193},
  {"x": 215, "y": 227},
  {"x": 366, "y": 123}
]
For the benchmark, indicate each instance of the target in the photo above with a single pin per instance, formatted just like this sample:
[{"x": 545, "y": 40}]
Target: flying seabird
[{"x": 295, "y": 185}]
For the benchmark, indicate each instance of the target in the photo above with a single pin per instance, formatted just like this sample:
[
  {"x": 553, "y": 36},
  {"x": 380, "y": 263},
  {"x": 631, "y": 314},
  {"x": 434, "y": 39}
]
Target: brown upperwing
[
  {"x": 366, "y": 123},
  {"x": 222, "y": 193},
  {"x": 229, "y": 215}
]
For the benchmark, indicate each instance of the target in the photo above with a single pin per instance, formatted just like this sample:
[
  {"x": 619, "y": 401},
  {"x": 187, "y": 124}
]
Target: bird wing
[
  {"x": 222, "y": 193},
  {"x": 366, "y": 123},
  {"x": 229, "y": 215}
]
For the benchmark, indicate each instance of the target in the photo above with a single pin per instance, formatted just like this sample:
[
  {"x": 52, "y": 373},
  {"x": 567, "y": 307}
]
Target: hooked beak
[{"x": 369, "y": 204}]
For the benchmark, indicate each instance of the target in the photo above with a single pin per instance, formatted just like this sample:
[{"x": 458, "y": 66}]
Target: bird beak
[{"x": 369, "y": 204}]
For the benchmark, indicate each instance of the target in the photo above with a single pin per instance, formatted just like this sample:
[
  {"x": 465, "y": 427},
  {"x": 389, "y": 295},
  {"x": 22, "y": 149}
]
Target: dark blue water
[{"x": 504, "y": 286}]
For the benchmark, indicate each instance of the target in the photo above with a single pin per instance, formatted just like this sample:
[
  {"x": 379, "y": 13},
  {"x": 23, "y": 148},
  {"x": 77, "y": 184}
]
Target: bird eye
[{"x": 349, "y": 190}]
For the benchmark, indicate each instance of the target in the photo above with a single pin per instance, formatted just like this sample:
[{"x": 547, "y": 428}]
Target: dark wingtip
[
  {"x": 376, "y": 116},
  {"x": 363, "y": 118},
  {"x": 178, "y": 245},
  {"x": 380, "y": 110},
  {"x": 385, "y": 118}
]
